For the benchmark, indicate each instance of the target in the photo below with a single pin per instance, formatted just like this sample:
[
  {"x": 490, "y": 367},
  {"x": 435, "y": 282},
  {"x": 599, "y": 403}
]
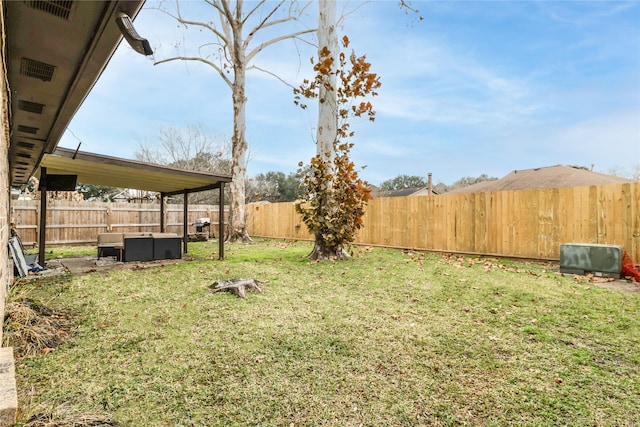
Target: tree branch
[
  {"x": 255, "y": 67},
  {"x": 187, "y": 22},
  {"x": 198, "y": 59},
  {"x": 252, "y": 11},
  {"x": 265, "y": 22},
  {"x": 215, "y": 4},
  {"x": 259, "y": 48}
]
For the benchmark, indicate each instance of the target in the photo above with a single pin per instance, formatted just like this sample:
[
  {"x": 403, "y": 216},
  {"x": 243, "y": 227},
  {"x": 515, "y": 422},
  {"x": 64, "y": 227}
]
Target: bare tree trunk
[
  {"x": 239, "y": 143},
  {"x": 327, "y": 115},
  {"x": 239, "y": 163},
  {"x": 327, "y": 108},
  {"x": 321, "y": 251}
]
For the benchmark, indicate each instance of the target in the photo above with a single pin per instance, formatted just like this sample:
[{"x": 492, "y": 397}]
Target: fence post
[{"x": 108, "y": 219}]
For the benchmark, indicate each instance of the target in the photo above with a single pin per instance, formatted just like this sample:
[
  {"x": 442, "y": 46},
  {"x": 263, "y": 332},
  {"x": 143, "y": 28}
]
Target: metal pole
[
  {"x": 185, "y": 229},
  {"x": 43, "y": 216},
  {"x": 162, "y": 225},
  {"x": 221, "y": 222}
]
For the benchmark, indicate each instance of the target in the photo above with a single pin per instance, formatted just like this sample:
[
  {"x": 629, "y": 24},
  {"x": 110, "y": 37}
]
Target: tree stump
[{"x": 237, "y": 286}]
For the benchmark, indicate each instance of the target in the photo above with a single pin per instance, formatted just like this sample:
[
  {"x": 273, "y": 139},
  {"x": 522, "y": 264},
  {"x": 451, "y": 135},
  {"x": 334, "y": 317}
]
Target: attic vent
[
  {"x": 37, "y": 69},
  {"x": 59, "y": 8},
  {"x": 31, "y": 107},
  {"x": 21, "y": 163},
  {"x": 27, "y": 145},
  {"x": 24, "y": 155},
  {"x": 27, "y": 129}
]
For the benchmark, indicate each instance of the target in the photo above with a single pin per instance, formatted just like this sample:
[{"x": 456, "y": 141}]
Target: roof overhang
[
  {"x": 115, "y": 172},
  {"x": 55, "y": 52}
]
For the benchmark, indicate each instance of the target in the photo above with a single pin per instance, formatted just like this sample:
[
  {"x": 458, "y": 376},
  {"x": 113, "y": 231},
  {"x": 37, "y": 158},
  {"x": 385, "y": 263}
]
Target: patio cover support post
[
  {"x": 221, "y": 222},
  {"x": 162, "y": 208},
  {"x": 185, "y": 236},
  {"x": 43, "y": 215}
]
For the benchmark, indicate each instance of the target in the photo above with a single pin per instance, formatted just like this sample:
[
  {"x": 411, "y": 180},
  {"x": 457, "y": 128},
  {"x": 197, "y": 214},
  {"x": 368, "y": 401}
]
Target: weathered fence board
[{"x": 529, "y": 223}]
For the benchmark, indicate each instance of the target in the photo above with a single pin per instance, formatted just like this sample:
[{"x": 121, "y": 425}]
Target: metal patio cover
[{"x": 116, "y": 172}]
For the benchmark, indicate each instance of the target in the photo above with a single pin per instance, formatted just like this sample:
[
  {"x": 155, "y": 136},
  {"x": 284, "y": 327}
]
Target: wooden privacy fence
[
  {"x": 528, "y": 224},
  {"x": 71, "y": 223}
]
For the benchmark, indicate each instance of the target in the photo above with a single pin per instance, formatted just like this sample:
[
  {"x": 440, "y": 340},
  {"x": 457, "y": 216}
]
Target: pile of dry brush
[{"x": 33, "y": 329}]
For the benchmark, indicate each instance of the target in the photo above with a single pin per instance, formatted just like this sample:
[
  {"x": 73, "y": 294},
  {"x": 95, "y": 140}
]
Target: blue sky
[{"x": 476, "y": 87}]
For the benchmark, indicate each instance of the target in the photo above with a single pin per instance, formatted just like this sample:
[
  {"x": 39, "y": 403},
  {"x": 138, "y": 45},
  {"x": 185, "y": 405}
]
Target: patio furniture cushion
[{"x": 110, "y": 244}]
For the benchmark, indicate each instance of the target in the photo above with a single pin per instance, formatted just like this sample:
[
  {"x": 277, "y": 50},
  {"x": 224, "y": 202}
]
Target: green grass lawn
[
  {"x": 55, "y": 252},
  {"x": 386, "y": 338}
]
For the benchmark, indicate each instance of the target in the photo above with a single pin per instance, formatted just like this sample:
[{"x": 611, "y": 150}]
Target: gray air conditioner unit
[{"x": 585, "y": 258}]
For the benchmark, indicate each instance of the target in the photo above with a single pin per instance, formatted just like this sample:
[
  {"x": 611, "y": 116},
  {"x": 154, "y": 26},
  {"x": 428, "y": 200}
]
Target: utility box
[{"x": 585, "y": 258}]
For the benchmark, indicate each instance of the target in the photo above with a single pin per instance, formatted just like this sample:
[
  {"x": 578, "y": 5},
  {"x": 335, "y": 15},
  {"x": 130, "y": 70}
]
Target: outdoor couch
[
  {"x": 139, "y": 246},
  {"x": 110, "y": 245}
]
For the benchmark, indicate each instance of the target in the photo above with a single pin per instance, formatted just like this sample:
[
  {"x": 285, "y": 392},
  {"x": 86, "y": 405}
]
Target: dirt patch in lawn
[
  {"x": 607, "y": 282},
  {"x": 84, "y": 265}
]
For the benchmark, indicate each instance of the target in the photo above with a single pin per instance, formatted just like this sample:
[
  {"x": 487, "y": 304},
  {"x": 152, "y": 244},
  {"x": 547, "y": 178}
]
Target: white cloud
[{"x": 610, "y": 139}]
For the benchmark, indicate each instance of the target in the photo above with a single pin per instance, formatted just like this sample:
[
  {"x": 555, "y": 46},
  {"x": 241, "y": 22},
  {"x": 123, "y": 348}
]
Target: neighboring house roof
[
  {"x": 414, "y": 191},
  {"x": 545, "y": 177},
  {"x": 424, "y": 191}
]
